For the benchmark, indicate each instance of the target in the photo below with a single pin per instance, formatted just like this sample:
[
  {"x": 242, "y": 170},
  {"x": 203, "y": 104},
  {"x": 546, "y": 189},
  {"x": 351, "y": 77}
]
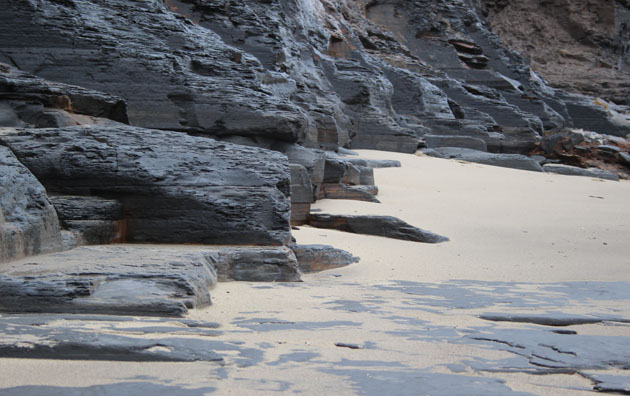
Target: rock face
[
  {"x": 364, "y": 74},
  {"x": 385, "y": 226},
  {"x": 173, "y": 188},
  {"x": 28, "y": 222},
  {"x": 567, "y": 40},
  {"x": 515, "y": 161}
]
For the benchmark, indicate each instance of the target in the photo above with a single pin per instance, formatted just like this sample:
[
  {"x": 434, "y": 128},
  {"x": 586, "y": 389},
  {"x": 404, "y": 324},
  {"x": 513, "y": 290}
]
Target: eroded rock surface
[
  {"x": 173, "y": 188},
  {"x": 135, "y": 280},
  {"x": 28, "y": 221}
]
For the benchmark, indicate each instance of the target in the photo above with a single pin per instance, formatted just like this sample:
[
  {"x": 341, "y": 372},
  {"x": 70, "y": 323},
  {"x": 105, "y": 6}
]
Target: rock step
[
  {"x": 114, "y": 338},
  {"x": 385, "y": 226},
  {"x": 136, "y": 279}
]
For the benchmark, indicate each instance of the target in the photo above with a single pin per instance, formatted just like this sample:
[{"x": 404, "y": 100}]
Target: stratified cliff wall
[
  {"x": 198, "y": 79},
  {"x": 578, "y": 45}
]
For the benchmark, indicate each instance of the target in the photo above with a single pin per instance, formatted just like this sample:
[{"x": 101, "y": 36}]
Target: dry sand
[{"x": 521, "y": 242}]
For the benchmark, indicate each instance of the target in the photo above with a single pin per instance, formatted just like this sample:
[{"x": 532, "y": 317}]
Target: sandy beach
[{"x": 413, "y": 318}]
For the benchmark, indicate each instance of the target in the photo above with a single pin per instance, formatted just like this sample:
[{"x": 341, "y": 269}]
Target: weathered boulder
[
  {"x": 28, "y": 222},
  {"x": 301, "y": 194},
  {"x": 173, "y": 187},
  {"x": 385, "y": 226},
  {"x": 315, "y": 258}
]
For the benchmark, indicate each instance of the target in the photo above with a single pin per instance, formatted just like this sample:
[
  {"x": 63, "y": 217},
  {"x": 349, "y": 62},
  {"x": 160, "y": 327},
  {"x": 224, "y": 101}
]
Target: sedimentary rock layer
[{"x": 173, "y": 187}]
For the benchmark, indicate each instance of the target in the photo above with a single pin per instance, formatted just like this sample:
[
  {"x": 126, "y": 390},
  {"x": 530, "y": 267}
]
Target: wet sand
[{"x": 522, "y": 243}]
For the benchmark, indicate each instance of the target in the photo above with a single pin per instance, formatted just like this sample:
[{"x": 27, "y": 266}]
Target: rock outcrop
[
  {"x": 385, "y": 226},
  {"x": 28, "y": 222},
  {"x": 136, "y": 279},
  {"x": 173, "y": 188},
  {"x": 378, "y": 74}
]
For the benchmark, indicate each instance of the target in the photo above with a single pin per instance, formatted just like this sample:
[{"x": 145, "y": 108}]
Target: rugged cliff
[{"x": 134, "y": 115}]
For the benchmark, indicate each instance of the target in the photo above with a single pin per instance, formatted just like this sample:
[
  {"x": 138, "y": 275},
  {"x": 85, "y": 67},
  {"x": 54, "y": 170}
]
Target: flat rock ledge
[
  {"x": 385, "y": 226},
  {"x": 576, "y": 171},
  {"x": 114, "y": 338},
  {"x": 514, "y": 161},
  {"x": 135, "y": 279}
]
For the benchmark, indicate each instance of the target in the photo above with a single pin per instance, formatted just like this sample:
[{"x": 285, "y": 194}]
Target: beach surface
[{"x": 531, "y": 295}]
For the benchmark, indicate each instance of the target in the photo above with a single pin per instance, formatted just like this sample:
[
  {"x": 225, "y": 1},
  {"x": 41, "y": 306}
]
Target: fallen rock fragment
[
  {"x": 385, "y": 226},
  {"x": 575, "y": 171},
  {"x": 315, "y": 258}
]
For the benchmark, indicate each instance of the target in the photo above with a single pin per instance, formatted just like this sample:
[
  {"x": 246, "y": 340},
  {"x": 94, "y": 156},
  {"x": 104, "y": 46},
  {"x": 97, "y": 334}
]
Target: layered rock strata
[{"x": 173, "y": 188}]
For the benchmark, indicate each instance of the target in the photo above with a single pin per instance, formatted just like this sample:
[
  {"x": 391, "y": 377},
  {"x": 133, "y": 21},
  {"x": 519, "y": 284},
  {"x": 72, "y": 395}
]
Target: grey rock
[
  {"x": 73, "y": 339},
  {"x": 28, "y": 221},
  {"x": 552, "y": 319},
  {"x": 31, "y": 101},
  {"x": 315, "y": 258},
  {"x": 386, "y": 226},
  {"x": 343, "y": 191},
  {"x": 374, "y": 163},
  {"x": 515, "y": 161},
  {"x": 575, "y": 171},
  {"x": 172, "y": 73},
  {"x": 135, "y": 279},
  {"x": 174, "y": 188},
  {"x": 625, "y": 158},
  {"x": 301, "y": 194},
  {"x": 433, "y": 141}
]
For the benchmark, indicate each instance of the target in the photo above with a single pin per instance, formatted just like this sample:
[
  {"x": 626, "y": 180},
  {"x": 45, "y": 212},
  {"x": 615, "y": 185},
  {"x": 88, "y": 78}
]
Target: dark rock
[
  {"x": 552, "y": 319},
  {"x": 32, "y": 101},
  {"x": 181, "y": 189},
  {"x": 347, "y": 345},
  {"x": 342, "y": 191},
  {"x": 575, "y": 171},
  {"x": 373, "y": 163},
  {"x": 73, "y": 339},
  {"x": 515, "y": 161},
  {"x": 315, "y": 258},
  {"x": 386, "y": 226},
  {"x": 301, "y": 194},
  {"x": 174, "y": 74},
  {"x": 433, "y": 141},
  {"x": 135, "y": 279},
  {"x": 28, "y": 222}
]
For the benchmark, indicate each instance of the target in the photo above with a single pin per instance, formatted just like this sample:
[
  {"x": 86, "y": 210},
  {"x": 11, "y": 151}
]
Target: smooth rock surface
[{"x": 174, "y": 188}]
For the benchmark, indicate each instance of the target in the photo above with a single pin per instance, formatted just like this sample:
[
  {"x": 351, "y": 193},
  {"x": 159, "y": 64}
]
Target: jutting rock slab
[
  {"x": 173, "y": 188},
  {"x": 385, "y": 226}
]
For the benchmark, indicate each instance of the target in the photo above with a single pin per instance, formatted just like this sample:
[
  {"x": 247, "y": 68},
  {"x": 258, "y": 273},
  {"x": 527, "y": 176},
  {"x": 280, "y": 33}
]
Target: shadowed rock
[
  {"x": 173, "y": 188},
  {"x": 28, "y": 222},
  {"x": 385, "y": 226},
  {"x": 552, "y": 319}
]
